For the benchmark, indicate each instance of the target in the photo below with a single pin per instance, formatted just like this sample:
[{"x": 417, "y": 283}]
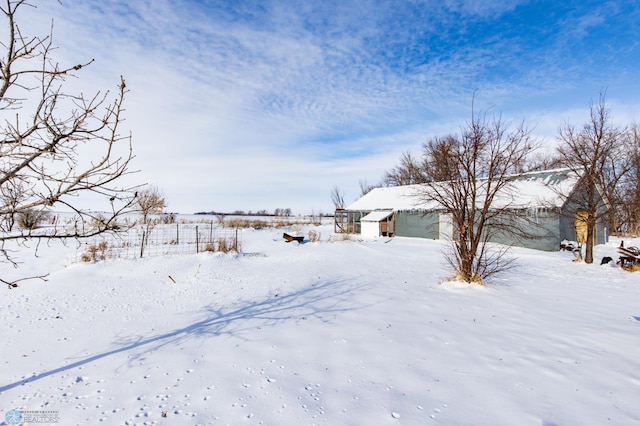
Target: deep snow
[{"x": 345, "y": 332}]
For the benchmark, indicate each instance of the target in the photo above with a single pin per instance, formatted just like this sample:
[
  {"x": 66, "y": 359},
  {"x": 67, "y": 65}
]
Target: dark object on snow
[
  {"x": 290, "y": 238},
  {"x": 571, "y": 246},
  {"x": 606, "y": 260},
  {"x": 630, "y": 257}
]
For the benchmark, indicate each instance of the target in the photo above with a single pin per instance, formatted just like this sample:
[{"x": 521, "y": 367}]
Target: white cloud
[{"x": 264, "y": 106}]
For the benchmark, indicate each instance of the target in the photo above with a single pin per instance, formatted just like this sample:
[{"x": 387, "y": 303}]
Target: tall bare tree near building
[
  {"x": 438, "y": 160},
  {"x": 55, "y": 145},
  {"x": 629, "y": 188},
  {"x": 477, "y": 171},
  {"x": 596, "y": 152},
  {"x": 432, "y": 166},
  {"x": 410, "y": 171}
]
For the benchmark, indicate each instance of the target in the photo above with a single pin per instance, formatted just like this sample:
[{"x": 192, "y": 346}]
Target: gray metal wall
[
  {"x": 547, "y": 228},
  {"x": 542, "y": 229},
  {"x": 568, "y": 227},
  {"x": 410, "y": 223}
]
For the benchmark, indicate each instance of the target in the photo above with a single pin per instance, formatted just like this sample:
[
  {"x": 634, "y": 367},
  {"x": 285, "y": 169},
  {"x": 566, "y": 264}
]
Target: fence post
[
  {"x": 177, "y": 234},
  {"x": 142, "y": 245},
  {"x": 197, "y": 241}
]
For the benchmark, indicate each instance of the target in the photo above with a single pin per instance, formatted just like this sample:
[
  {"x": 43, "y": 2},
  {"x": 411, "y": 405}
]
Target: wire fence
[{"x": 161, "y": 240}]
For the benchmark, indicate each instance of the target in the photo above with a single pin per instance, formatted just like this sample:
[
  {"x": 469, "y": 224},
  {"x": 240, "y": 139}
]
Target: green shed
[{"x": 542, "y": 201}]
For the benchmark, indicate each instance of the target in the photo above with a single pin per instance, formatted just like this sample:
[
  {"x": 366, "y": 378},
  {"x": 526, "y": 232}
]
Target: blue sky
[{"x": 268, "y": 104}]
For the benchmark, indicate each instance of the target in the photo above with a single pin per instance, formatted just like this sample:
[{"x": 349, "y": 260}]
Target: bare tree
[
  {"x": 337, "y": 197},
  {"x": 595, "y": 152},
  {"x": 629, "y": 189},
  {"x": 439, "y": 160},
  {"x": 542, "y": 161},
  {"x": 477, "y": 171},
  {"x": 621, "y": 183},
  {"x": 281, "y": 212},
  {"x": 54, "y": 145},
  {"x": 410, "y": 171},
  {"x": 366, "y": 187},
  {"x": 150, "y": 201},
  {"x": 433, "y": 166}
]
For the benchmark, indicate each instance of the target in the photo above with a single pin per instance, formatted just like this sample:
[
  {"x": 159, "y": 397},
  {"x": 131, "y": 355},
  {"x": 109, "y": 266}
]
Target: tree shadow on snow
[{"x": 320, "y": 301}]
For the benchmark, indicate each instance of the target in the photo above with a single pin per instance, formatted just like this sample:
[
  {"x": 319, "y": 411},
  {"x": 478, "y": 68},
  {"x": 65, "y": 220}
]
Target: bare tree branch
[{"x": 56, "y": 146}]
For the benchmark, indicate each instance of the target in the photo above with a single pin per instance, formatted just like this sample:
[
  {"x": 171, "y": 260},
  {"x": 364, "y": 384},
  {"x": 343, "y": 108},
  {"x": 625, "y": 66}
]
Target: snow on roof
[
  {"x": 389, "y": 198},
  {"x": 377, "y": 216},
  {"x": 547, "y": 188}
]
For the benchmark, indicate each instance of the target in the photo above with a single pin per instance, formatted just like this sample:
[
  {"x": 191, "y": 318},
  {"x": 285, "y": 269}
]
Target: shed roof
[
  {"x": 377, "y": 216},
  {"x": 547, "y": 188}
]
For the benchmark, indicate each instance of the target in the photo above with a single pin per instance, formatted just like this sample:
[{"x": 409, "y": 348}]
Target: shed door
[
  {"x": 446, "y": 226},
  {"x": 581, "y": 226}
]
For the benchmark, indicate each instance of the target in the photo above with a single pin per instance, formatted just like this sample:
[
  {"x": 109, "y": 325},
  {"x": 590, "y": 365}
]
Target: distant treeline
[{"x": 276, "y": 212}]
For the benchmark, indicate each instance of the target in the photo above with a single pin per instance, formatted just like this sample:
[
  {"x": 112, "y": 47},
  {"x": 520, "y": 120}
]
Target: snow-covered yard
[{"x": 345, "y": 332}]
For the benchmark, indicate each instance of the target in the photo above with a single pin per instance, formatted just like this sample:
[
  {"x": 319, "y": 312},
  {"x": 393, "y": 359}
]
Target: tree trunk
[
  {"x": 591, "y": 225},
  {"x": 466, "y": 273}
]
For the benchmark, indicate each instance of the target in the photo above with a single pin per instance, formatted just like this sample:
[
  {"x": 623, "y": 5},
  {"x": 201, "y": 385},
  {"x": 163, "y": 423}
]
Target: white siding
[{"x": 370, "y": 229}]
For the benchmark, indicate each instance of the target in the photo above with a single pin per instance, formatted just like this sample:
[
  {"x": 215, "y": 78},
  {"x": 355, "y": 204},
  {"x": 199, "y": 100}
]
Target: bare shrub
[
  {"x": 31, "y": 218},
  {"x": 340, "y": 237},
  {"x": 223, "y": 245},
  {"x": 95, "y": 252},
  {"x": 258, "y": 224},
  {"x": 273, "y": 222},
  {"x": 227, "y": 245},
  {"x": 314, "y": 236},
  {"x": 167, "y": 218},
  {"x": 100, "y": 221}
]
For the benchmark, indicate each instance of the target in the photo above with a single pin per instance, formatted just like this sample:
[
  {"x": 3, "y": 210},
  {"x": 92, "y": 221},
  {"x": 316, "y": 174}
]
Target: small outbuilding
[
  {"x": 377, "y": 223},
  {"x": 545, "y": 202}
]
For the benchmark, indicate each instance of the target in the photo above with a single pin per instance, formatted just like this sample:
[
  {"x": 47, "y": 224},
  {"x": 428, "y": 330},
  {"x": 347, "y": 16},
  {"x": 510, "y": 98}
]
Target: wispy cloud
[{"x": 252, "y": 105}]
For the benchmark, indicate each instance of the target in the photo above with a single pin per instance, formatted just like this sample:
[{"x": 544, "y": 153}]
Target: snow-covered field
[{"x": 356, "y": 332}]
